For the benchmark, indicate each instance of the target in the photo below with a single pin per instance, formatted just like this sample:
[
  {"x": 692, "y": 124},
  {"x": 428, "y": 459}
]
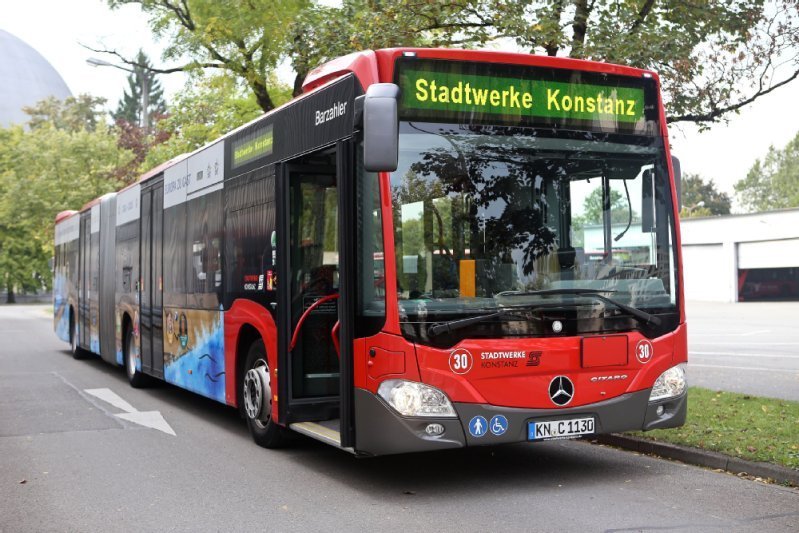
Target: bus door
[
  {"x": 151, "y": 268},
  {"x": 309, "y": 291},
  {"x": 85, "y": 270}
]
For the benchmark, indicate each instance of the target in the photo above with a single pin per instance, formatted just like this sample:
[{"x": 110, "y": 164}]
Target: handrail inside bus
[
  {"x": 334, "y": 336},
  {"x": 307, "y": 312}
]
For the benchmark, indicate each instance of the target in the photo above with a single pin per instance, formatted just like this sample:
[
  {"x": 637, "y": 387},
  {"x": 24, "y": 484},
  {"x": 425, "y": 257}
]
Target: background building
[
  {"x": 25, "y": 78},
  {"x": 742, "y": 257}
]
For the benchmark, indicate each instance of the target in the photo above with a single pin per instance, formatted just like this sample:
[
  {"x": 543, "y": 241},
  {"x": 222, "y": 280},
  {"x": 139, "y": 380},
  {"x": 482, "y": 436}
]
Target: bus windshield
[{"x": 484, "y": 216}]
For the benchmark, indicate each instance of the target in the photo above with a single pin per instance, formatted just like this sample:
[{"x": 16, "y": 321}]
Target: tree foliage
[
  {"x": 74, "y": 113},
  {"x": 593, "y": 212},
  {"x": 701, "y": 198},
  {"x": 246, "y": 39},
  {"x": 714, "y": 56},
  {"x": 772, "y": 183},
  {"x": 68, "y": 156}
]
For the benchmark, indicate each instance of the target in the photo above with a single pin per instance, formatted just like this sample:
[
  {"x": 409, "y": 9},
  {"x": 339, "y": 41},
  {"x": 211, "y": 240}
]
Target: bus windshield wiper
[
  {"x": 452, "y": 325},
  {"x": 642, "y": 316}
]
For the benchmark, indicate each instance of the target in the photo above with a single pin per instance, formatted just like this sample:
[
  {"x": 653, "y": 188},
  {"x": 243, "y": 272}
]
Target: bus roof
[
  {"x": 374, "y": 66},
  {"x": 63, "y": 215}
]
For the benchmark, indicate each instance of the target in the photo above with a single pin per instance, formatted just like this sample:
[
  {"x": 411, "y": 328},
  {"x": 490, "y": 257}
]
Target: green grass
[{"x": 739, "y": 425}]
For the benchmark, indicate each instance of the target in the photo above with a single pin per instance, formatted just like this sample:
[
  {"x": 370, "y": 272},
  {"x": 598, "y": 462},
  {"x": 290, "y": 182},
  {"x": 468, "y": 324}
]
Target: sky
[{"x": 55, "y": 28}]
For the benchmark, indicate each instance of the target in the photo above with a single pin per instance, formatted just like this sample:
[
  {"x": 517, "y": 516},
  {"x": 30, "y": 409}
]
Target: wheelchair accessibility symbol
[{"x": 498, "y": 425}]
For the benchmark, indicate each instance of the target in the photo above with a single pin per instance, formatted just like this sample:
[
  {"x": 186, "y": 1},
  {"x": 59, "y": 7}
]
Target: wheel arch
[{"x": 245, "y": 322}]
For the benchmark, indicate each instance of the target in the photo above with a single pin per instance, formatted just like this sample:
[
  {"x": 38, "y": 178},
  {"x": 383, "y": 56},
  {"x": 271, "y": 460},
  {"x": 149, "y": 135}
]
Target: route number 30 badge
[
  {"x": 644, "y": 351},
  {"x": 460, "y": 361}
]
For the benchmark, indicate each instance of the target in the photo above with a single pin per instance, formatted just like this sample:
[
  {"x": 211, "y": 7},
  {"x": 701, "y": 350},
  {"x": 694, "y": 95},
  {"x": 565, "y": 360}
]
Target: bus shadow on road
[
  {"x": 455, "y": 473},
  {"x": 530, "y": 466}
]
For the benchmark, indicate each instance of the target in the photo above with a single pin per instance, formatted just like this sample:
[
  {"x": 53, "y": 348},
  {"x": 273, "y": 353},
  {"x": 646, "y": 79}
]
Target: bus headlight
[
  {"x": 410, "y": 398},
  {"x": 669, "y": 384}
]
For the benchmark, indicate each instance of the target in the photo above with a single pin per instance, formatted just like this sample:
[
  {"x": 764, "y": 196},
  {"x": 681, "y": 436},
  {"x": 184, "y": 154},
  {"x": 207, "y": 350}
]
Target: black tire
[
  {"x": 254, "y": 384},
  {"x": 135, "y": 377},
  {"x": 76, "y": 351}
]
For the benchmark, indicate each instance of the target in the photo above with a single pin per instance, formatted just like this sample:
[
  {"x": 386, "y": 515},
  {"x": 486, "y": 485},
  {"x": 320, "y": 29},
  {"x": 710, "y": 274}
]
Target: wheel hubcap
[{"x": 258, "y": 392}]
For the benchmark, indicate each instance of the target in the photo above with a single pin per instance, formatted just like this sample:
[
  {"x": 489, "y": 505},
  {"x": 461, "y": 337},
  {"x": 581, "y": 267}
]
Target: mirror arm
[{"x": 675, "y": 165}]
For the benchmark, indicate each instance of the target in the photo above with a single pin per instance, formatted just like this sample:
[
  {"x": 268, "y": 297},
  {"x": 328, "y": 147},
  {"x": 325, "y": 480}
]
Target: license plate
[{"x": 555, "y": 429}]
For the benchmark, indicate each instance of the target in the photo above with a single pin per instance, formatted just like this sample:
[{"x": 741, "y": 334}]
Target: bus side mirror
[
  {"x": 675, "y": 164},
  {"x": 380, "y": 128}
]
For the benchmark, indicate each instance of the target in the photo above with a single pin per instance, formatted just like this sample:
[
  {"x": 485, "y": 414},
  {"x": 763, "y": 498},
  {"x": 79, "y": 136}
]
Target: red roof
[{"x": 63, "y": 215}]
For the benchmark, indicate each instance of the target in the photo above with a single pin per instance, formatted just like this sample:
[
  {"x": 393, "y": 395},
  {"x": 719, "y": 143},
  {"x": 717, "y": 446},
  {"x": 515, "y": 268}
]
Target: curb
[{"x": 706, "y": 458}]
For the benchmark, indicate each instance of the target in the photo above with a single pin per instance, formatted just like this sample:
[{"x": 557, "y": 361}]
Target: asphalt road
[
  {"x": 749, "y": 347},
  {"x": 69, "y": 463}
]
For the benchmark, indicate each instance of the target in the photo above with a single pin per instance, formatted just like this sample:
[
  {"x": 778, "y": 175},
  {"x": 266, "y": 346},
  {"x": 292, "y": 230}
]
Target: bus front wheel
[{"x": 255, "y": 398}]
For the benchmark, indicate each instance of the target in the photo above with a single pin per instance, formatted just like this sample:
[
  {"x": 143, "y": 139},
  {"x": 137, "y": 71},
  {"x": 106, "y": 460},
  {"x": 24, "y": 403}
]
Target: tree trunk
[
  {"x": 262, "y": 95},
  {"x": 11, "y": 298},
  {"x": 552, "y": 48},
  {"x": 579, "y": 28},
  {"x": 298, "y": 81}
]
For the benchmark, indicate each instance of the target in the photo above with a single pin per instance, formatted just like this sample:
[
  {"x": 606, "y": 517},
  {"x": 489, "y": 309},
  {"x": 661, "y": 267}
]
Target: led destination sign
[
  {"x": 257, "y": 144},
  {"x": 508, "y": 95}
]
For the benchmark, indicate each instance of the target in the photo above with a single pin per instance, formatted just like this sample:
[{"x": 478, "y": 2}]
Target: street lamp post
[
  {"x": 146, "y": 78},
  {"x": 690, "y": 209}
]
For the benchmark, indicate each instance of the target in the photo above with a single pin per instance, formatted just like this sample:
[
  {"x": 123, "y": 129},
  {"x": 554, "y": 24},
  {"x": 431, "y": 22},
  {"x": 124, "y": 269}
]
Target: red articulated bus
[{"x": 395, "y": 261}]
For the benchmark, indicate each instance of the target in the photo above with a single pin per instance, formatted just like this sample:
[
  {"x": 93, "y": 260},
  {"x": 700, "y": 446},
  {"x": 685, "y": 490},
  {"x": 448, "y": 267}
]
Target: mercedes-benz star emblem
[{"x": 561, "y": 390}]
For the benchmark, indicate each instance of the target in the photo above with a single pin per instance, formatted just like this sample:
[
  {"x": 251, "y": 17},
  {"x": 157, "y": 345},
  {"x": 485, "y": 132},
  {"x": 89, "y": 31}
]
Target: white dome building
[{"x": 26, "y": 77}]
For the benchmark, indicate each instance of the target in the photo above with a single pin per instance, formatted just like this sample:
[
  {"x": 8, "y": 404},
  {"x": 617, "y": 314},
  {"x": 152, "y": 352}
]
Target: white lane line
[
  {"x": 150, "y": 419},
  {"x": 109, "y": 396},
  {"x": 780, "y": 370},
  {"x": 738, "y": 354}
]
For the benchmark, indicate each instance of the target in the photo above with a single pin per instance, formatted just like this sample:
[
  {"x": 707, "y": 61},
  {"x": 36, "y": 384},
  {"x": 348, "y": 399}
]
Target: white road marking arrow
[
  {"x": 109, "y": 396},
  {"x": 150, "y": 419}
]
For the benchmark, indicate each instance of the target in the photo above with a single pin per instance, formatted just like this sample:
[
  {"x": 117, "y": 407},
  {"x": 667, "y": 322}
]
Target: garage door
[
  {"x": 769, "y": 254},
  {"x": 704, "y": 273}
]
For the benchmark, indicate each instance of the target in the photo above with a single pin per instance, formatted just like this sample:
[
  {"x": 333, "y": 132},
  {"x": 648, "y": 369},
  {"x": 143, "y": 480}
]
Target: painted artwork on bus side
[
  {"x": 194, "y": 351},
  {"x": 60, "y": 305},
  {"x": 94, "y": 325}
]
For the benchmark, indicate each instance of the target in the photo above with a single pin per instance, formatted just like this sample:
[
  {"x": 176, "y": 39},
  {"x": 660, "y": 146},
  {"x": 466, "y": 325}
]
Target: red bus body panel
[{"x": 243, "y": 313}]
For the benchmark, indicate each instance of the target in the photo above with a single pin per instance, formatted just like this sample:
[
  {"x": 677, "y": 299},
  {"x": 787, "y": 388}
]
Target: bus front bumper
[{"x": 381, "y": 431}]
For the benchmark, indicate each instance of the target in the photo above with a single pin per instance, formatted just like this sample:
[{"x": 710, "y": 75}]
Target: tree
[
  {"x": 774, "y": 182},
  {"x": 247, "y": 40},
  {"x": 592, "y": 208},
  {"x": 714, "y": 56},
  {"x": 700, "y": 198},
  {"x": 68, "y": 156},
  {"x": 130, "y": 108},
  {"x": 369, "y": 24},
  {"x": 74, "y": 113}
]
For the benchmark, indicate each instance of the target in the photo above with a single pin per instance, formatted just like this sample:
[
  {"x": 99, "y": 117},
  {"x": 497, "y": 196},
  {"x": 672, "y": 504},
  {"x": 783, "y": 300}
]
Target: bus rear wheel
[
  {"x": 135, "y": 377},
  {"x": 76, "y": 351},
  {"x": 255, "y": 399}
]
